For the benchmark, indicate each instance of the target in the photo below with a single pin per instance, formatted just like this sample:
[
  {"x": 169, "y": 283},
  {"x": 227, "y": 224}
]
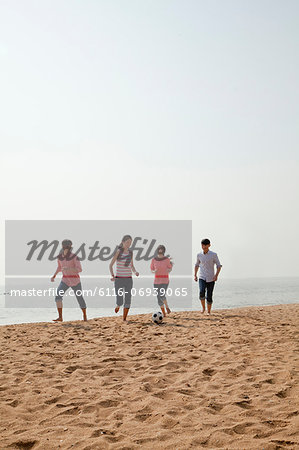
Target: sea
[{"x": 228, "y": 293}]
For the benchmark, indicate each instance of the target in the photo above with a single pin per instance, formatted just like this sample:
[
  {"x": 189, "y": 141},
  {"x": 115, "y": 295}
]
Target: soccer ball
[{"x": 157, "y": 317}]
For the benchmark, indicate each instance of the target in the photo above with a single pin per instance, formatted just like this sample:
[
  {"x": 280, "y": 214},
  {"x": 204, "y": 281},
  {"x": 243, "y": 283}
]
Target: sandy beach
[{"x": 226, "y": 381}]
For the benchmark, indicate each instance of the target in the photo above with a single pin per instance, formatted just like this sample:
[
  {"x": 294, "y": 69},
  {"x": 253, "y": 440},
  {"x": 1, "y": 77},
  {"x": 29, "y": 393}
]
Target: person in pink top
[
  {"x": 70, "y": 266},
  {"x": 161, "y": 266}
]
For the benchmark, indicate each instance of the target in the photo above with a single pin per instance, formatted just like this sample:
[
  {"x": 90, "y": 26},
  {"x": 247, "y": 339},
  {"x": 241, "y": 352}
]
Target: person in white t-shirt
[{"x": 206, "y": 262}]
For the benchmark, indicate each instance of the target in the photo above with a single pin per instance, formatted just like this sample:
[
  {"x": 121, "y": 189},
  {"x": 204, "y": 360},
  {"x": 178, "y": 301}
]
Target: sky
[{"x": 156, "y": 109}]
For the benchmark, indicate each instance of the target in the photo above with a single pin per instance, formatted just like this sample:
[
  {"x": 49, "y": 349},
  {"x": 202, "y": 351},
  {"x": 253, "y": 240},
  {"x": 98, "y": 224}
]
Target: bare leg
[
  {"x": 163, "y": 311},
  {"x": 59, "y": 315},
  {"x": 209, "y": 308},
  {"x": 84, "y": 314},
  {"x": 116, "y": 309},
  {"x": 203, "y": 304},
  {"x": 125, "y": 313},
  {"x": 167, "y": 307}
]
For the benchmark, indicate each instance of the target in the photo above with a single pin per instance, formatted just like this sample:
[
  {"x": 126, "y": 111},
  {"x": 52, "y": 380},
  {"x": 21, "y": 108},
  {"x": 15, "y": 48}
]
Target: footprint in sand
[
  {"x": 109, "y": 403},
  {"x": 164, "y": 395},
  {"x": 283, "y": 393},
  {"x": 215, "y": 406},
  {"x": 24, "y": 444},
  {"x": 275, "y": 423},
  {"x": 89, "y": 409},
  {"x": 143, "y": 417},
  {"x": 173, "y": 412},
  {"x": 285, "y": 442},
  {"x": 269, "y": 381},
  {"x": 112, "y": 359},
  {"x": 141, "y": 441},
  {"x": 71, "y": 369},
  {"x": 241, "y": 428},
  {"x": 168, "y": 423},
  {"x": 19, "y": 431},
  {"x": 69, "y": 412},
  {"x": 52, "y": 400},
  {"x": 185, "y": 391},
  {"x": 245, "y": 404},
  {"x": 114, "y": 438},
  {"x": 14, "y": 403},
  {"x": 146, "y": 387},
  {"x": 209, "y": 372},
  {"x": 101, "y": 432}
]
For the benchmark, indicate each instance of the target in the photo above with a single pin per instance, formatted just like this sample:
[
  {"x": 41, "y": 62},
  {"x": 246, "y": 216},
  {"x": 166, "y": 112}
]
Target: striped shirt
[{"x": 124, "y": 265}]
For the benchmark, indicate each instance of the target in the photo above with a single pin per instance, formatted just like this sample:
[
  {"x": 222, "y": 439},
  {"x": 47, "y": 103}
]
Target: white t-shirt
[{"x": 206, "y": 263}]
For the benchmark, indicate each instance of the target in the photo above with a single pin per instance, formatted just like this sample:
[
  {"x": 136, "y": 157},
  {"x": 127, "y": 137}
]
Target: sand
[{"x": 226, "y": 381}]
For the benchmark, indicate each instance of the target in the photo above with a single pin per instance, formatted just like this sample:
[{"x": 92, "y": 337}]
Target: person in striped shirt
[
  {"x": 123, "y": 282},
  {"x": 161, "y": 266}
]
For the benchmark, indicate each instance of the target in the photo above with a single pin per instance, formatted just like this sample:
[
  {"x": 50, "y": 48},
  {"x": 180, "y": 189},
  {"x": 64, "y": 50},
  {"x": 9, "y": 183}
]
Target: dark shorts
[
  {"x": 161, "y": 292},
  {"x": 123, "y": 288},
  {"x": 62, "y": 288},
  {"x": 206, "y": 290}
]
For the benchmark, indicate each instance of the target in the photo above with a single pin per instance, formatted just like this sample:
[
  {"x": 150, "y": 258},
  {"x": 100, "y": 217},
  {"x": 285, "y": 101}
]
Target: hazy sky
[{"x": 158, "y": 109}]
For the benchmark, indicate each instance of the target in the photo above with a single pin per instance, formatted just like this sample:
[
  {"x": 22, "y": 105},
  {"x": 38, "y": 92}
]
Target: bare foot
[
  {"x": 168, "y": 310},
  {"x": 202, "y": 312},
  {"x": 57, "y": 320},
  {"x": 116, "y": 309}
]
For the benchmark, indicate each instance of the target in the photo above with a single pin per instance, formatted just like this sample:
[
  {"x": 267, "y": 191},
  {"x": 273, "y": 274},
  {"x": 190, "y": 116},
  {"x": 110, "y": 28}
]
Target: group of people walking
[{"x": 161, "y": 265}]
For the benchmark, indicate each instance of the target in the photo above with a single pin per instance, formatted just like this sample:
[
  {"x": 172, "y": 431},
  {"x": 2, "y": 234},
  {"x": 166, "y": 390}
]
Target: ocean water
[{"x": 228, "y": 293}]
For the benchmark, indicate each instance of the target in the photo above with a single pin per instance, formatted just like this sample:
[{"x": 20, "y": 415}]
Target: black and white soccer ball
[{"x": 157, "y": 317}]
